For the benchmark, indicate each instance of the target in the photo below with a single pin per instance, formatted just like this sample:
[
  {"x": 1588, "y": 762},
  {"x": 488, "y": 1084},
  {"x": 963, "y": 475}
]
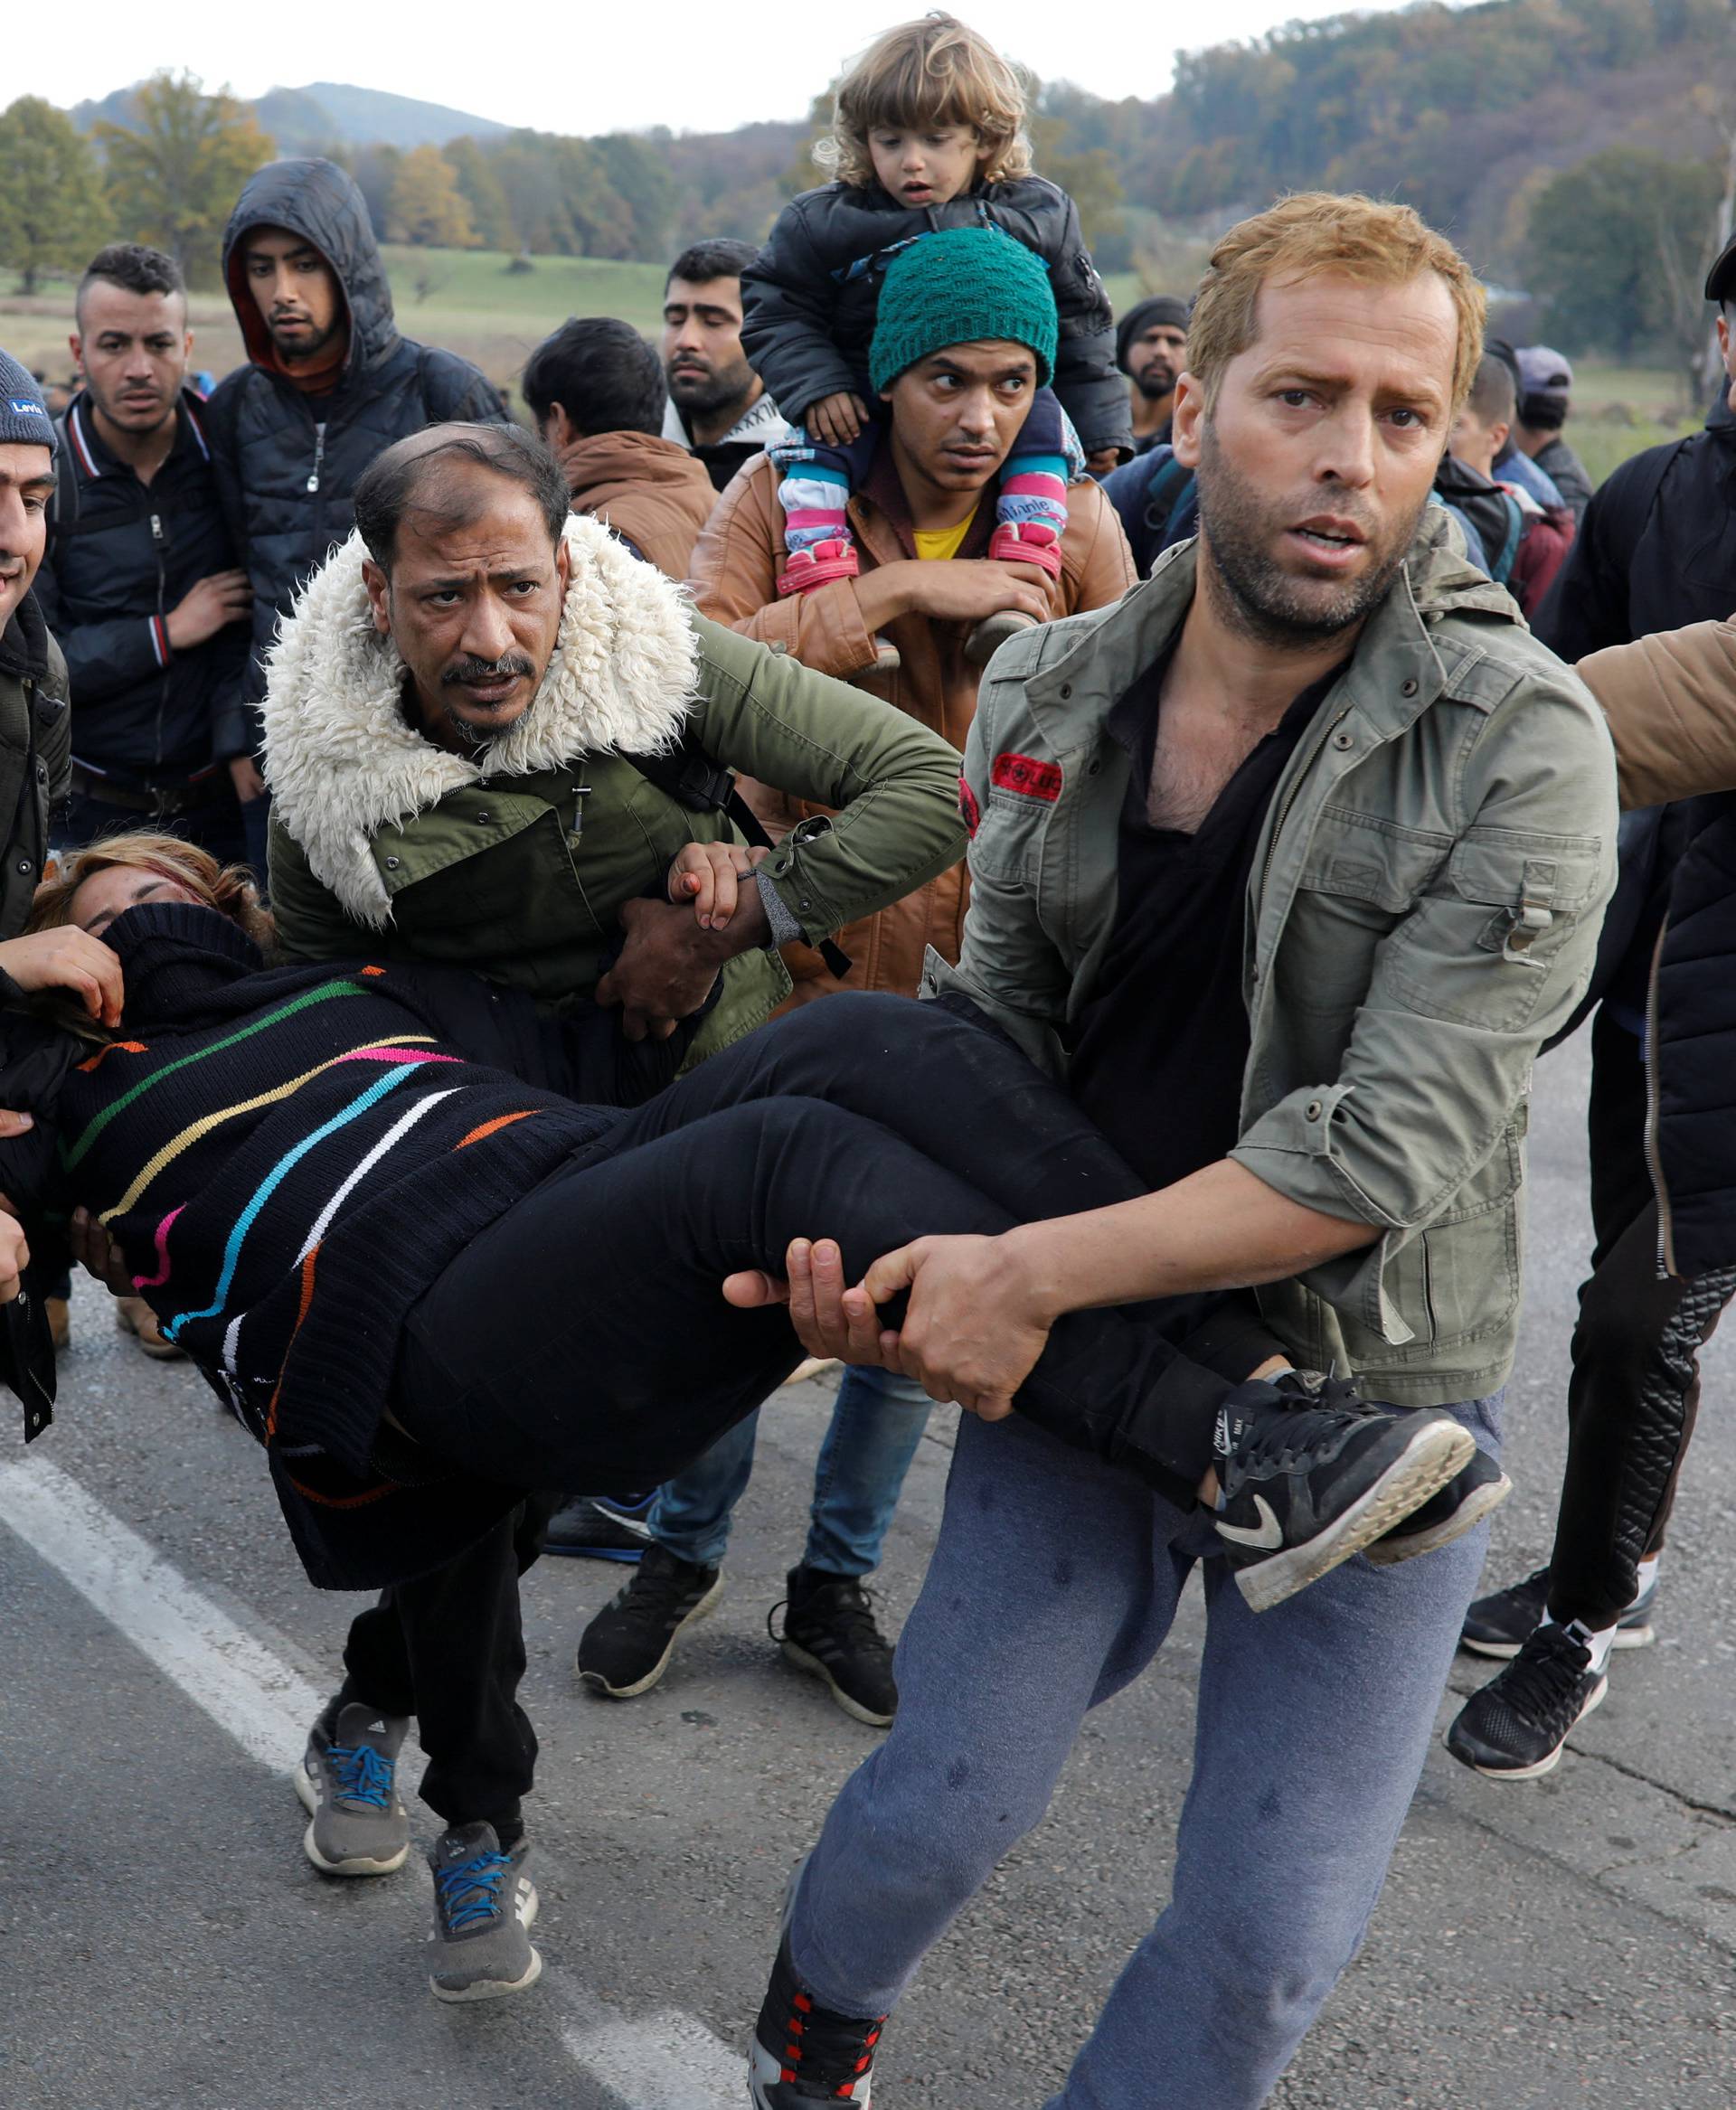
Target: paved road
[{"x": 165, "y": 1947}]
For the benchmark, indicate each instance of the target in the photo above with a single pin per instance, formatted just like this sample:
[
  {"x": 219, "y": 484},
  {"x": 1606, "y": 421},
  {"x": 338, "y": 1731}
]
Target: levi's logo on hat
[
  {"x": 1031, "y": 779},
  {"x": 22, "y": 407}
]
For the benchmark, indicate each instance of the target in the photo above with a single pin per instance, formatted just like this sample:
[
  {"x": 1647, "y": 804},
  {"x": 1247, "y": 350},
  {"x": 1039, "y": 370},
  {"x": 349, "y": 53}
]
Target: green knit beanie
[{"x": 958, "y": 286}]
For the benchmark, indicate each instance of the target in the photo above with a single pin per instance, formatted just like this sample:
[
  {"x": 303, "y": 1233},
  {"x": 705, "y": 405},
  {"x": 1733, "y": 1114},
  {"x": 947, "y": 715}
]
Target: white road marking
[
  {"x": 665, "y": 2061},
  {"x": 239, "y": 1684}
]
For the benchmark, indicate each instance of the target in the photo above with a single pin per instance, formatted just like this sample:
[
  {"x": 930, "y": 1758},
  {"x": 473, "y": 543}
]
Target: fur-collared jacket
[{"x": 517, "y": 864}]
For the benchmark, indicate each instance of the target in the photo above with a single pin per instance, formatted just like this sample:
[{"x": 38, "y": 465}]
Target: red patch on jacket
[
  {"x": 1033, "y": 779},
  {"x": 968, "y": 808}
]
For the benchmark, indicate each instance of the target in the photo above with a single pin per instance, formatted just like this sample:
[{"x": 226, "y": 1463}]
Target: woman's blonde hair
[
  {"x": 930, "y": 72},
  {"x": 229, "y": 887},
  {"x": 1371, "y": 241}
]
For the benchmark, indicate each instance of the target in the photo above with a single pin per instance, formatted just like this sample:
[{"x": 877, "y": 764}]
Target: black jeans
[
  {"x": 582, "y": 1340},
  {"x": 1635, "y": 1387},
  {"x": 450, "y": 1649}
]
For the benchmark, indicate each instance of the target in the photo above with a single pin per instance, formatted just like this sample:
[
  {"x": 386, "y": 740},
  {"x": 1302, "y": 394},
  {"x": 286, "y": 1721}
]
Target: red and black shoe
[{"x": 804, "y": 2053}]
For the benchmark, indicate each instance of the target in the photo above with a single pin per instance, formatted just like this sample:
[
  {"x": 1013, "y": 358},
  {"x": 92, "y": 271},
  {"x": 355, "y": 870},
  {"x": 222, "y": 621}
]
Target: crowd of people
[{"x": 467, "y": 890}]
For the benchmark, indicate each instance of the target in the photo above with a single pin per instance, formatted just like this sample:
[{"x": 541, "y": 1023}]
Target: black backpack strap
[
  {"x": 64, "y": 515},
  {"x": 701, "y": 784}
]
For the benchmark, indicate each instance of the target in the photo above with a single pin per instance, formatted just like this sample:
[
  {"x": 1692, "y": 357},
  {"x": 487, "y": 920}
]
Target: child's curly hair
[
  {"x": 229, "y": 887},
  {"x": 934, "y": 72}
]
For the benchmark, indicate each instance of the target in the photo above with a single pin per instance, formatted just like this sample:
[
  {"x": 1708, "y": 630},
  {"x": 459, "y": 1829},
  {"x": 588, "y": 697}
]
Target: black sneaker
[
  {"x": 829, "y": 1629},
  {"x": 1514, "y": 1730},
  {"x": 1466, "y": 1500},
  {"x": 600, "y": 1527},
  {"x": 804, "y": 2053},
  {"x": 484, "y": 1906},
  {"x": 1501, "y": 1624},
  {"x": 626, "y": 1647},
  {"x": 1310, "y": 1473}
]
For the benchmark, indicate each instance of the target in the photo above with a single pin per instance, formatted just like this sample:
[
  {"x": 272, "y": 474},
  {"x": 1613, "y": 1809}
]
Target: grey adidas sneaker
[
  {"x": 347, "y": 1780},
  {"x": 484, "y": 1904}
]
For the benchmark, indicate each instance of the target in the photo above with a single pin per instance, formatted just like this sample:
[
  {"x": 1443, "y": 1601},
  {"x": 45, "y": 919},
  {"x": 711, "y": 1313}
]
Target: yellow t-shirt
[{"x": 944, "y": 541}]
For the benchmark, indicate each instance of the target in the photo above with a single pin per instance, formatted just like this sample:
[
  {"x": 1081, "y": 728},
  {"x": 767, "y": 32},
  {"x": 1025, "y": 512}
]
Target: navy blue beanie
[{"x": 24, "y": 420}]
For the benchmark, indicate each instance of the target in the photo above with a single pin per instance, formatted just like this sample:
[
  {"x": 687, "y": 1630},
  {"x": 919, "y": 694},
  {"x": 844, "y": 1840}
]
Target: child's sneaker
[
  {"x": 804, "y": 2053},
  {"x": 1309, "y": 1474},
  {"x": 1026, "y": 542},
  {"x": 347, "y": 1782},
  {"x": 993, "y": 631},
  {"x": 818, "y": 565},
  {"x": 484, "y": 1904}
]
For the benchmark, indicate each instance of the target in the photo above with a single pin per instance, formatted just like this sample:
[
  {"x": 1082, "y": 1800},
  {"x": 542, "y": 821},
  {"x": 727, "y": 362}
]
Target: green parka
[{"x": 517, "y": 864}]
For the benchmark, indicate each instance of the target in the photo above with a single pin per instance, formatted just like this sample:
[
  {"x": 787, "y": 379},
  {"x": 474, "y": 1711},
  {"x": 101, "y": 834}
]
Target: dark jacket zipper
[{"x": 160, "y": 543}]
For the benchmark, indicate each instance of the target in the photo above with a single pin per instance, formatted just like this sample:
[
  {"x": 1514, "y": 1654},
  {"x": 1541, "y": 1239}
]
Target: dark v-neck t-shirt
[{"x": 1162, "y": 1039}]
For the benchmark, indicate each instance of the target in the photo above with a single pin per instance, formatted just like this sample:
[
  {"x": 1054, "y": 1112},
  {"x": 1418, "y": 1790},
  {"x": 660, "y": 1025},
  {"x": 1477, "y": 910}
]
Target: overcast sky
[{"x": 593, "y": 68}]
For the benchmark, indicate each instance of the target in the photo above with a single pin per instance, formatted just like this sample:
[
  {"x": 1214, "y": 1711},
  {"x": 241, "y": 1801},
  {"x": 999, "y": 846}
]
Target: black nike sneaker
[
  {"x": 1472, "y": 1492},
  {"x": 1514, "y": 1730},
  {"x": 601, "y": 1526},
  {"x": 1310, "y": 1473},
  {"x": 804, "y": 2053},
  {"x": 1502, "y": 1623}
]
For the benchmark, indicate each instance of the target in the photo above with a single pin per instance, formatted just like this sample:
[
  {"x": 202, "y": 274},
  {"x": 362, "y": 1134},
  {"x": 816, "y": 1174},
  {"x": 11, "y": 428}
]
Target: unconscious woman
[{"x": 423, "y": 1244}]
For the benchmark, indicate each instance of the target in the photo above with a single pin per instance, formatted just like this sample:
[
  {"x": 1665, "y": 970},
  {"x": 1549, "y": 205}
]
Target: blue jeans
[
  {"x": 877, "y": 1422},
  {"x": 1053, "y": 1585}
]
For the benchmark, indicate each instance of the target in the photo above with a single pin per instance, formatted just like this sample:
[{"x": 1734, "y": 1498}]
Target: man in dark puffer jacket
[{"x": 329, "y": 383}]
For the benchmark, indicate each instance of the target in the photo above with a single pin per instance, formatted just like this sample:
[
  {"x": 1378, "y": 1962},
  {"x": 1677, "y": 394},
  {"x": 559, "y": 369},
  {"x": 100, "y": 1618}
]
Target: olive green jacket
[
  {"x": 1421, "y": 915},
  {"x": 35, "y": 755},
  {"x": 517, "y": 864}
]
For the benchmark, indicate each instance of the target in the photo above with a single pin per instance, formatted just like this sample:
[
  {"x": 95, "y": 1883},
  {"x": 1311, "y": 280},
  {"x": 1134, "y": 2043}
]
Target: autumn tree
[
  {"x": 53, "y": 212},
  {"x": 482, "y": 194},
  {"x": 428, "y": 208},
  {"x": 1618, "y": 250},
  {"x": 176, "y": 169}
]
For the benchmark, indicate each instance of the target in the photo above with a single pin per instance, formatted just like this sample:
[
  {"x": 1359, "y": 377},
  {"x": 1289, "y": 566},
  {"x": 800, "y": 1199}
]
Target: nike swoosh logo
[{"x": 1268, "y": 1538}]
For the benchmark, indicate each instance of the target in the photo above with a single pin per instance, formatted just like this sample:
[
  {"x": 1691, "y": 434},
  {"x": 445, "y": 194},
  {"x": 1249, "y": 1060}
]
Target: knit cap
[
  {"x": 24, "y": 420},
  {"x": 1161, "y": 307},
  {"x": 958, "y": 286}
]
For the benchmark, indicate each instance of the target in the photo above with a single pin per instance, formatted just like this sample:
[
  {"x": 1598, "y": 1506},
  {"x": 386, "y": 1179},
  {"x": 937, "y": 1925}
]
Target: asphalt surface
[{"x": 164, "y": 1944}]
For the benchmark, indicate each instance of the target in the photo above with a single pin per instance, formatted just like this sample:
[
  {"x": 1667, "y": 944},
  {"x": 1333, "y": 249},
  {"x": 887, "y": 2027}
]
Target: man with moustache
[
  {"x": 328, "y": 383},
  {"x": 141, "y": 587},
  {"x": 718, "y": 408},
  {"x": 1151, "y": 350}
]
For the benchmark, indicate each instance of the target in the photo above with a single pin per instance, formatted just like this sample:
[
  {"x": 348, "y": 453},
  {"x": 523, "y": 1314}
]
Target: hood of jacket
[
  {"x": 343, "y": 761},
  {"x": 761, "y": 424},
  {"x": 611, "y": 460},
  {"x": 315, "y": 199}
]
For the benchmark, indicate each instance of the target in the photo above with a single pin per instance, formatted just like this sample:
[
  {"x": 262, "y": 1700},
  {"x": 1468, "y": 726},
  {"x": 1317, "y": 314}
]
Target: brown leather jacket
[
  {"x": 1671, "y": 702},
  {"x": 735, "y": 569},
  {"x": 649, "y": 490}
]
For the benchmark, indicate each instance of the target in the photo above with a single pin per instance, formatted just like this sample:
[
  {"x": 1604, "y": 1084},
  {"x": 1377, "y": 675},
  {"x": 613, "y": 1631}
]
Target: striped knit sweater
[{"x": 287, "y": 1158}]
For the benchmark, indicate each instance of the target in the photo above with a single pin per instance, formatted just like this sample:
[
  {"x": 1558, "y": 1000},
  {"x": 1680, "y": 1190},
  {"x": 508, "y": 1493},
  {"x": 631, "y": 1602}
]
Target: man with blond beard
[{"x": 1288, "y": 864}]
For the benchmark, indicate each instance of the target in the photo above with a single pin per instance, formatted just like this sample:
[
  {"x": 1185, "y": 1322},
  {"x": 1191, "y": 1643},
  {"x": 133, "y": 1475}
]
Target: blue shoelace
[
  {"x": 362, "y": 1772},
  {"x": 471, "y": 1892}
]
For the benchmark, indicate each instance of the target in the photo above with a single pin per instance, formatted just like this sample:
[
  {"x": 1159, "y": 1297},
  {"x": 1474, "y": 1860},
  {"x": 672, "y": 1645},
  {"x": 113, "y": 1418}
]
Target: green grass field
[{"x": 469, "y": 301}]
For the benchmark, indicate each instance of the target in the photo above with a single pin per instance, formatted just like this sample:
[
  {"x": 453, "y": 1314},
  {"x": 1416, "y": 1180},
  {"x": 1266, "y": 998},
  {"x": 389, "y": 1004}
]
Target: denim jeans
[
  {"x": 1053, "y": 1584},
  {"x": 877, "y": 1422}
]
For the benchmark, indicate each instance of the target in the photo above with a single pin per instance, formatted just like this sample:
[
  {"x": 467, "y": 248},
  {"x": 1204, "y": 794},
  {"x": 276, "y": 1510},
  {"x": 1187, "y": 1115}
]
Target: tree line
[{"x": 1579, "y": 148}]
